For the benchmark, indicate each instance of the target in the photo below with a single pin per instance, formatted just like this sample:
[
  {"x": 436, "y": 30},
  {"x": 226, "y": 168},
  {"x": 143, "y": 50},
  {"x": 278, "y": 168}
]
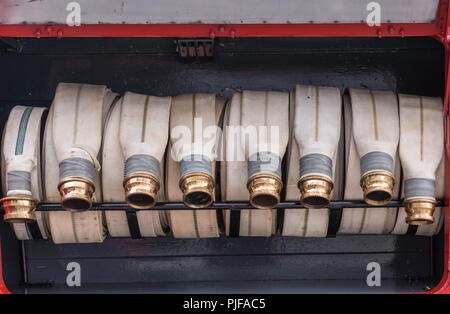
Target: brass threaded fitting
[
  {"x": 19, "y": 208},
  {"x": 141, "y": 190},
  {"x": 76, "y": 193},
  {"x": 315, "y": 191},
  {"x": 264, "y": 190}
]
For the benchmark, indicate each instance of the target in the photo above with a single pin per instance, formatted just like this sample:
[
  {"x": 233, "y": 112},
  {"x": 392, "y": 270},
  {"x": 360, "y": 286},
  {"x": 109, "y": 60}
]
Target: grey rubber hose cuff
[
  {"x": 316, "y": 164},
  {"x": 195, "y": 163},
  {"x": 19, "y": 180},
  {"x": 264, "y": 162},
  {"x": 142, "y": 163},
  {"x": 76, "y": 167},
  {"x": 418, "y": 187},
  {"x": 376, "y": 161}
]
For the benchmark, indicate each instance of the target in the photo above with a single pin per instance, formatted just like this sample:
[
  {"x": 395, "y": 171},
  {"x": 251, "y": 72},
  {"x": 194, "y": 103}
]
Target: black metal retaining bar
[{"x": 226, "y": 205}]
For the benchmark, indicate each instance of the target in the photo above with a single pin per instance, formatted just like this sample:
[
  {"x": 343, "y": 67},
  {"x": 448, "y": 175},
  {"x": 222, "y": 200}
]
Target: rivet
[
  {"x": 221, "y": 28},
  {"x": 38, "y": 33},
  {"x": 60, "y": 33},
  {"x": 232, "y": 33},
  {"x": 212, "y": 35}
]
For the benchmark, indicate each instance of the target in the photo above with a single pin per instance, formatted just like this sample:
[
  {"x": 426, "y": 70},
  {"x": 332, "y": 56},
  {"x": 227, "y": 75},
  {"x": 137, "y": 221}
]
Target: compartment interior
[{"x": 32, "y": 68}]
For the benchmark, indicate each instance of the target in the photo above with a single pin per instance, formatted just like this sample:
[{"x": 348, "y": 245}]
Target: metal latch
[{"x": 195, "y": 48}]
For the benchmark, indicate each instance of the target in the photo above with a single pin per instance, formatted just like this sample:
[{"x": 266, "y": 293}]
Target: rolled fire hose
[
  {"x": 92, "y": 102},
  {"x": 191, "y": 163},
  {"x": 421, "y": 151},
  {"x": 376, "y": 133},
  {"x": 378, "y": 220},
  {"x": 21, "y": 172},
  {"x": 316, "y": 115},
  {"x": 317, "y": 131},
  {"x": 142, "y": 124},
  {"x": 256, "y": 136},
  {"x": 77, "y": 135}
]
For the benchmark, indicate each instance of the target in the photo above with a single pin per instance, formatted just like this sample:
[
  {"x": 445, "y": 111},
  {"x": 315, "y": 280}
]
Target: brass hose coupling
[{"x": 19, "y": 208}]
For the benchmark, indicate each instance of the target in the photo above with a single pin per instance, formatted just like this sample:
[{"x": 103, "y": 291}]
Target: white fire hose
[
  {"x": 21, "y": 171},
  {"x": 378, "y": 220},
  {"x": 313, "y": 157},
  {"x": 376, "y": 133},
  {"x": 265, "y": 116},
  {"x": 191, "y": 163},
  {"x": 138, "y": 128},
  {"x": 74, "y": 132},
  {"x": 423, "y": 162}
]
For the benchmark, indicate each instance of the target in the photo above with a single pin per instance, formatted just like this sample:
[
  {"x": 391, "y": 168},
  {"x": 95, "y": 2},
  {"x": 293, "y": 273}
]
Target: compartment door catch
[{"x": 191, "y": 48}]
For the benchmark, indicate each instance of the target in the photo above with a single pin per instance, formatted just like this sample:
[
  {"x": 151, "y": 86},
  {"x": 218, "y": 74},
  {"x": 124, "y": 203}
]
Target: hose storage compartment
[
  {"x": 21, "y": 171},
  {"x": 141, "y": 223},
  {"x": 74, "y": 226},
  {"x": 291, "y": 248},
  {"x": 191, "y": 163}
]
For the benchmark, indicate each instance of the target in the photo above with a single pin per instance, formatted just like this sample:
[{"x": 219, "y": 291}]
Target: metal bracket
[{"x": 225, "y": 205}]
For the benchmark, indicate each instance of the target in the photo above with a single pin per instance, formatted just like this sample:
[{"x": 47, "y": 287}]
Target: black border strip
[
  {"x": 35, "y": 231},
  {"x": 235, "y": 223},
  {"x": 133, "y": 224},
  {"x": 334, "y": 222}
]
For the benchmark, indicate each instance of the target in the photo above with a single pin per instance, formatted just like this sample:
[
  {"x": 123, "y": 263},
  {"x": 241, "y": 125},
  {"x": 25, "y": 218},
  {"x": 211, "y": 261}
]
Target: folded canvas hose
[
  {"x": 264, "y": 113},
  {"x": 317, "y": 130},
  {"x": 379, "y": 220},
  {"x": 234, "y": 182},
  {"x": 21, "y": 172},
  {"x": 376, "y": 133},
  {"x": 93, "y": 103},
  {"x": 191, "y": 165},
  {"x": 421, "y": 152},
  {"x": 265, "y": 116},
  {"x": 135, "y": 128},
  {"x": 315, "y": 143}
]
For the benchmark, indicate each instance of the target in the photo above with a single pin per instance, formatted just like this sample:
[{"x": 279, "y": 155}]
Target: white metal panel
[{"x": 216, "y": 11}]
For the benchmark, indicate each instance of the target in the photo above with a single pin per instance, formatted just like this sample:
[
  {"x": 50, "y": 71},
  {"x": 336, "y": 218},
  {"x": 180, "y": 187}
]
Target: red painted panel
[{"x": 214, "y": 30}]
